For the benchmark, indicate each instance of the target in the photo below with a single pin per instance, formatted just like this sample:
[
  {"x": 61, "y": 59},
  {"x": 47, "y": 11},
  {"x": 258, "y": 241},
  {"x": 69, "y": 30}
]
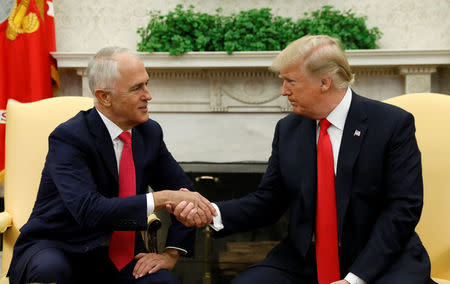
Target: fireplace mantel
[{"x": 249, "y": 59}]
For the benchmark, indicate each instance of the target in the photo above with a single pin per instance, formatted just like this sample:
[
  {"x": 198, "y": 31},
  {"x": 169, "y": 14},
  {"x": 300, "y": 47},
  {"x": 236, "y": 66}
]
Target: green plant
[
  {"x": 346, "y": 26},
  {"x": 181, "y": 31},
  {"x": 258, "y": 29}
]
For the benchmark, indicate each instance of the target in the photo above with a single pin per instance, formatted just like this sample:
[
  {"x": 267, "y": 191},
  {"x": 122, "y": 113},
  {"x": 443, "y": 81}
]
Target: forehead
[
  {"x": 131, "y": 68},
  {"x": 127, "y": 62},
  {"x": 294, "y": 70}
]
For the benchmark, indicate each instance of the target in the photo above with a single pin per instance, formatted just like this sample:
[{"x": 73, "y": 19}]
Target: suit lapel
[
  {"x": 306, "y": 145},
  {"x": 103, "y": 142},
  {"x": 354, "y": 132},
  {"x": 138, "y": 150}
]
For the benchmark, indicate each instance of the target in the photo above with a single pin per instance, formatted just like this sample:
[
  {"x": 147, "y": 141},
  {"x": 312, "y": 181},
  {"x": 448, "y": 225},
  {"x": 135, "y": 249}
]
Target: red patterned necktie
[
  {"x": 326, "y": 218},
  {"x": 121, "y": 249}
]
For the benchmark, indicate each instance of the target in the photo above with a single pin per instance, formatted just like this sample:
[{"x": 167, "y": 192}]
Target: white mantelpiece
[
  {"x": 216, "y": 107},
  {"x": 375, "y": 57}
]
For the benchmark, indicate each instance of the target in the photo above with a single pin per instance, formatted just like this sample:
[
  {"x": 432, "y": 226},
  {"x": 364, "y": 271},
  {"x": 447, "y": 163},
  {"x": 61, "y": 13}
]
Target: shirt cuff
[
  {"x": 217, "y": 224},
  {"x": 150, "y": 204},
  {"x": 353, "y": 279},
  {"x": 183, "y": 251}
]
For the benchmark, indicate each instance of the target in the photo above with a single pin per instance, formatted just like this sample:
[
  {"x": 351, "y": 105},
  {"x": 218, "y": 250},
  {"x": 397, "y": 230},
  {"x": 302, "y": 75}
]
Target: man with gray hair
[
  {"x": 348, "y": 168},
  {"x": 93, "y": 193}
]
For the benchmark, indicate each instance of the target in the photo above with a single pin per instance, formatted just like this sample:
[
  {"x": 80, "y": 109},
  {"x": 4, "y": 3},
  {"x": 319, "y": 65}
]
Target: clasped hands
[{"x": 190, "y": 208}]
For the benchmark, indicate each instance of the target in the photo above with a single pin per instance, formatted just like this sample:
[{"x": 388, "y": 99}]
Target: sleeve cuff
[
  {"x": 217, "y": 224},
  {"x": 353, "y": 279},
  {"x": 183, "y": 251},
  {"x": 150, "y": 204}
]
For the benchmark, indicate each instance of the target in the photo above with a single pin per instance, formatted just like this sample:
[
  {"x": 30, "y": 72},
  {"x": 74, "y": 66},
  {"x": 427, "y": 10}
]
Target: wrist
[
  {"x": 161, "y": 198},
  {"x": 173, "y": 253}
]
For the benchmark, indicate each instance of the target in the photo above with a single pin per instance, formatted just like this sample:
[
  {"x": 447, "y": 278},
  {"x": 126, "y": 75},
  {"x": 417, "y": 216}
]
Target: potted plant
[{"x": 185, "y": 30}]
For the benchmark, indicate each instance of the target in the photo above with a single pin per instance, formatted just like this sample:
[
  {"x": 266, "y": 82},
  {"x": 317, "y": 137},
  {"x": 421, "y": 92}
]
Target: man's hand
[
  {"x": 152, "y": 262},
  {"x": 189, "y": 215},
  {"x": 341, "y": 282},
  {"x": 201, "y": 207}
]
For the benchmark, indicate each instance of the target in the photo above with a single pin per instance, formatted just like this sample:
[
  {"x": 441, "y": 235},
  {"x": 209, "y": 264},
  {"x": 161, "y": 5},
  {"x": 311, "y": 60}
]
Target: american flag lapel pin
[{"x": 357, "y": 133}]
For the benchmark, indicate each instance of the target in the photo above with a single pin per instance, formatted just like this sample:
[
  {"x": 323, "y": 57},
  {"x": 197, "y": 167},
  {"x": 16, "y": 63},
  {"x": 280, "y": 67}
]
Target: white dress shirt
[
  {"x": 337, "y": 119},
  {"x": 114, "y": 132}
]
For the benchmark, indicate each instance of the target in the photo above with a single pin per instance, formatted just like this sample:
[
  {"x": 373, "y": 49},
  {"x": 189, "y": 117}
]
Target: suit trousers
[
  {"x": 282, "y": 266},
  {"x": 53, "y": 265},
  {"x": 269, "y": 272}
]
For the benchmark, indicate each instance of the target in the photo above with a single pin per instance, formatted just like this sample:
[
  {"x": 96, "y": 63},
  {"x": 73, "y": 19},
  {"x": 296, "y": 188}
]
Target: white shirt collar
[
  {"x": 338, "y": 116},
  {"x": 113, "y": 129}
]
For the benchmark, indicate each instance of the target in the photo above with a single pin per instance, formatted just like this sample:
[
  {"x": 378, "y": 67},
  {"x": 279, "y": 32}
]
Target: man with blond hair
[{"x": 349, "y": 170}]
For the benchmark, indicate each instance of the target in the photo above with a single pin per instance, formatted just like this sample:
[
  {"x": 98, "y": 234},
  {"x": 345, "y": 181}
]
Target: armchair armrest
[
  {"x": 2, "y": 177},
  {"x": 5, "y": 221},
  {"x": 150, "y": 236},
  {"x": 441, "y": 281}
]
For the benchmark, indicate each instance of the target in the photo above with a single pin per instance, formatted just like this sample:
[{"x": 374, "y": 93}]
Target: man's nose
[
  {"x": 284, "y": 90},
  {"x": 147, "y": 94}
]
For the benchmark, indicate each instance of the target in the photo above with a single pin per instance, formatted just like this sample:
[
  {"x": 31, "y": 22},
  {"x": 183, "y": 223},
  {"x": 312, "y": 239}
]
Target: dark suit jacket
[
  {"x": 77, "y": 207},
  {"x": 379, "y": 194}
]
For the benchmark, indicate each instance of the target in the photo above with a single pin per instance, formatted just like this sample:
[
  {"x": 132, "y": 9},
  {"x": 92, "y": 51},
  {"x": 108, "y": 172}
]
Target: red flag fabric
[{"x": 27, "y": 70}]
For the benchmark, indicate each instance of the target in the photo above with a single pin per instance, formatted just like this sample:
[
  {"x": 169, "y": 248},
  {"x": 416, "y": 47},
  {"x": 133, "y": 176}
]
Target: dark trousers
[
  {"x": 269, "y": 272},
  {"x": 56, "y": 266},
  {"x": 294, "y": 271}
]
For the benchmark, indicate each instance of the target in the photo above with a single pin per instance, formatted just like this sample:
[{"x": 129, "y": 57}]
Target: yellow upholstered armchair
[
  {"x": 27, "y": 129},
  {"x": 432, "y": 117}
]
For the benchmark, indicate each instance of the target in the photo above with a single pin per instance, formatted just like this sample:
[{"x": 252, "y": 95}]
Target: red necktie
[
  {"x": 326, "y": 219},
  {"x": 121, "y": 249}
]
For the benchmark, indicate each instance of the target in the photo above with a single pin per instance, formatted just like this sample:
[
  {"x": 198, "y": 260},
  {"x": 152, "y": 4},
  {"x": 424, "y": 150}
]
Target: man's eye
[{"x": 134, "y": 89}]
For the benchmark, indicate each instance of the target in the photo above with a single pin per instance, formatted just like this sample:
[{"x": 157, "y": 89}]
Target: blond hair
[{"x": 319, "y": 55}]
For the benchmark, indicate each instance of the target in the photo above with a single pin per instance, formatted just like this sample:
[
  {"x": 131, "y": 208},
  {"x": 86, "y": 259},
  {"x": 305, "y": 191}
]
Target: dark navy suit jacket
[
  {"x": 77, "y": 207},
  {"x": 379, "y": 194}
]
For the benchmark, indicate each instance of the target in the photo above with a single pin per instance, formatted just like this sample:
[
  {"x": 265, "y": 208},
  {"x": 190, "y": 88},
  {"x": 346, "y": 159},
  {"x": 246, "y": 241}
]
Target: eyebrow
[
  {"x": 285, "y": 77},
  {"x": 138, "y": 85}
]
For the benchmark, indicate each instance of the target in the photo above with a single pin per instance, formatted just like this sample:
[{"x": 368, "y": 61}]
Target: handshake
[{"x": 190, "y": 208}]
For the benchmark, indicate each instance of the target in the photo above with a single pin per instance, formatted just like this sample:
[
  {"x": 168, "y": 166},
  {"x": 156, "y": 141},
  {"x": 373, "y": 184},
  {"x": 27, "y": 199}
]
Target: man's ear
[
  {"x": 103, "y": 97},
  {"x": 325, "y": 84}
]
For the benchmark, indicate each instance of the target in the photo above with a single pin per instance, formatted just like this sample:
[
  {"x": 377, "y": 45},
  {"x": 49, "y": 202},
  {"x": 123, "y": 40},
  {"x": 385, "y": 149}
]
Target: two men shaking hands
[{"x": 354, "y": 200}]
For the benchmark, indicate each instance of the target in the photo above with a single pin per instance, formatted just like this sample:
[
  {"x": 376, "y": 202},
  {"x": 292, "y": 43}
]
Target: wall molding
[
  {"x": 375, "y": 71},
  {"x": 162, "y": 60}
]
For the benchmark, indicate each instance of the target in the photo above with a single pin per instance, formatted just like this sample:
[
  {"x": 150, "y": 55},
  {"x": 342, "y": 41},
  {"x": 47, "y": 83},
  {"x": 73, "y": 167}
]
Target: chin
[
  {"x": 298, "y": 111},
  {"x": 303, "y": 113},
  {"x": 145, "y": 118}
]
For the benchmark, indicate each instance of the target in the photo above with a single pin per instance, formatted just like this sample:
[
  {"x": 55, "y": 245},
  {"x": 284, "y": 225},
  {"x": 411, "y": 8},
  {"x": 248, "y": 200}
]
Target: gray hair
[
  {"x": 102, "y": 70},
  {"x": 320, "y": 55}
]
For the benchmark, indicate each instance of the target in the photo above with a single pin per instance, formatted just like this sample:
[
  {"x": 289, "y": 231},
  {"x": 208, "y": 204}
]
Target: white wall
[{"x": 87, "y": 25}]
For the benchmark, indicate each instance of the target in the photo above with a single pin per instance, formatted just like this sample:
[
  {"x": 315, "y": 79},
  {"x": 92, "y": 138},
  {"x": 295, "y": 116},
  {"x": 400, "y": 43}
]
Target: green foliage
[
  {"x": 351, "y": 30},
  {"x": 181, "y": 31},
  {"x": 257, "y": 30}
]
